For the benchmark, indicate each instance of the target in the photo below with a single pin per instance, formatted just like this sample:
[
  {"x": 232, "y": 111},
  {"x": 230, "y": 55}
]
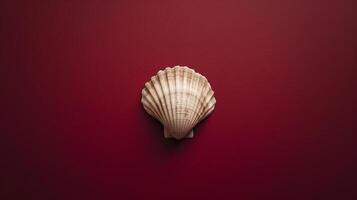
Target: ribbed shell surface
[{"x": 179, "y": 98}]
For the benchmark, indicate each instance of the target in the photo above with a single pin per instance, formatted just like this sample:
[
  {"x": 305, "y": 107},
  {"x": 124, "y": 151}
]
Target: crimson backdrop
[{"x": 283, "y": 72}]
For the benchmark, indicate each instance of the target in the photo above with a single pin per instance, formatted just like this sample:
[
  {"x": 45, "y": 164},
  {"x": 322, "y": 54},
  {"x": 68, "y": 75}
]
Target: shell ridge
[
  {"x": 210, "y": 107},
  {"x": 157, "y": 99},
  {"x": 198, "y": 103},
  {"x": 161, "y": 95},
  {"x": 147, "y": 107},
  {"x": 178, "y": 98},
  {"x": 146, "y": 97},
  {"x": 169, "y": 72},
  {"x": 195, "y": 88},
  {"x": 206, "y": 90},
  {"x": 208, "y": 112},
  {"x": 186, "y": 98},
  {"x": 168, "y": 98},
  {"x": 210, "y": 102},
  {"x": 164, "y": 91},
  {"x": 151, "y": 94},
  {"x": 174, "y": 122},
  {"x": 206, "y": 95},
  {"x": 182, "y": 112},
  {"x": 189, "y": 98}
]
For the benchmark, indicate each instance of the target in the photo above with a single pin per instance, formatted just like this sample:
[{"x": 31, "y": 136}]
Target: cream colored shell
[{"x": 179, "y": 98}]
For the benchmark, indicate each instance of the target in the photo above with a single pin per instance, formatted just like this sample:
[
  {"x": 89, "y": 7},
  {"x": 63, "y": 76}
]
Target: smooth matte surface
[{"x": 73, "y": 127}]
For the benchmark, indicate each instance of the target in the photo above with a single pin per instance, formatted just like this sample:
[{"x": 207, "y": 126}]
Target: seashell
[{"x": 179, "y": 98}]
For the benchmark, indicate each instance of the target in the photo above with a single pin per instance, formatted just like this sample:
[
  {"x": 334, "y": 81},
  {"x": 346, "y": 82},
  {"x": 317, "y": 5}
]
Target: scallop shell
[{"x": 179, "y": 98}]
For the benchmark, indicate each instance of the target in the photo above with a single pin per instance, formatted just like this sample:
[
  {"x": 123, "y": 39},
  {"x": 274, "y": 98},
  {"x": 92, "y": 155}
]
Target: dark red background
[{"x": 284, "y": 74}]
